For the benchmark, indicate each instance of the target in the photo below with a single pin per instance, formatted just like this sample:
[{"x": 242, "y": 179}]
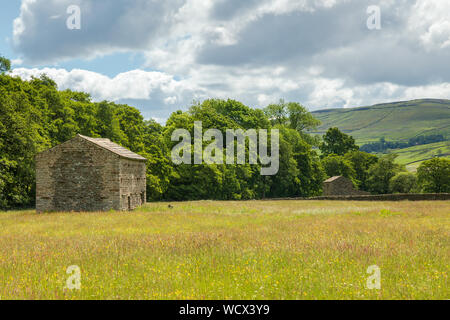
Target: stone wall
[
  {"x": 378, "y": 197},
  {"x": 389, "y": 197},
  {"x": 132, "y": 184},
  {"x": 77, "y": 176}
]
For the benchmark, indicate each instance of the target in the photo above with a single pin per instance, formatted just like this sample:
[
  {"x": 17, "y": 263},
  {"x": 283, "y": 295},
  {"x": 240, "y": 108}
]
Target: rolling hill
[
  {"x": 413, "y": 156},
  {"x": 398, "y": 121}
]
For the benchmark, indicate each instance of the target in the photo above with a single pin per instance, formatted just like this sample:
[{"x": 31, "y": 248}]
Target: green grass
[
  {"x": 230, "y": 250},
  {"x": 394, "y": 121},
  {"x": 412, "y": 157}
]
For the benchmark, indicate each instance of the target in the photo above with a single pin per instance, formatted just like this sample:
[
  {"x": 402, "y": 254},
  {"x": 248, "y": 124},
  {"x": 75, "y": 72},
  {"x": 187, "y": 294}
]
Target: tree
[
  {"x": 403, "y": 182},
  {"x": 361, "y": 162},
  {"x": 381, "y": 173},
  {"x": 434, "y": 175},
  {"x": 277, "y": 113},
  {"x": 300, "y": 118},
  {"x": 5, "y": 65},
  {"x": 300, "y": 171},
  {"x": 159, "y": 168},
  {"x": 337, "y": 142},
  {"x": 292, "y": 115},
  {"x": 335, "y": 165},
  {"x": 35, "y": 115}
]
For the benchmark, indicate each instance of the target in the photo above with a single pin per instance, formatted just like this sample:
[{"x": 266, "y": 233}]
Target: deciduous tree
[{"x": 434, "y": 175}]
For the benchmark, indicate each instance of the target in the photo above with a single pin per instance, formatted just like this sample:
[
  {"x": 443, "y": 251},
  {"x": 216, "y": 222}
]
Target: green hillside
[
  {"x": 397, "y": 121},
  {"x": 394, "y": 121},
  {"x": 413, "y": 156}
]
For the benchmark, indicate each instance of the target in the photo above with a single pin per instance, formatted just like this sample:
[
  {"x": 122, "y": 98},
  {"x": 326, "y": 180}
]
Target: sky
[{"x": 160, "y": 56}]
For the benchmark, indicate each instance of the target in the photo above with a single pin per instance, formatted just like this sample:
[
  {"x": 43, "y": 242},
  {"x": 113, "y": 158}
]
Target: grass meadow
[
  {"x": 230, "y": 250},
  {"x": 412, "y": 157}
]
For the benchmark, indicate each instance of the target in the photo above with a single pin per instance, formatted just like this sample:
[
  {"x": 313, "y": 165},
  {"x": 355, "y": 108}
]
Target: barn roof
[
  {"x": 333, "y": 178},
  {"x": 113, "y": 147}
]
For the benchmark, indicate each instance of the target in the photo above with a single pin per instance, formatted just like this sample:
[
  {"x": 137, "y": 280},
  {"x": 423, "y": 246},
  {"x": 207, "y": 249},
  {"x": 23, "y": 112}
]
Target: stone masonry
[
  {"x": 340, "y": 186},
  {"x": 89, "y": 174}
]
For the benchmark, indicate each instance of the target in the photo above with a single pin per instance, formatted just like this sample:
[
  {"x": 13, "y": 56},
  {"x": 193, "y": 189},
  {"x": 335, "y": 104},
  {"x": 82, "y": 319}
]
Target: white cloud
[
  {"x": 156, "y": 88},
  {"x": 17, "y": 62},
  {"x": 430, "y": 20},
  {"x": 318, "y": 52},
  {"x": 159, "y": 93},
  {"x": 170, "y": 100}
]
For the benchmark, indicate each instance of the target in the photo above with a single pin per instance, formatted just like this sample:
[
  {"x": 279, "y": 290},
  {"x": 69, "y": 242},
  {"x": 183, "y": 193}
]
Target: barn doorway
[{"x": 129, "y": 203}]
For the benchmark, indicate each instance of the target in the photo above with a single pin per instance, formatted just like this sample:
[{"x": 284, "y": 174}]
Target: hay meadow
[{"x": 230, "y": 250}]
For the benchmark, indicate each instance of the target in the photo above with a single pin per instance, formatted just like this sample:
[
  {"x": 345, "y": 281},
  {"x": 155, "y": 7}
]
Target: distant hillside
[
  {"x": 393, "y": 121},
  {"x": 398, "y": 121},
  {"x": 413, "y": 156}
]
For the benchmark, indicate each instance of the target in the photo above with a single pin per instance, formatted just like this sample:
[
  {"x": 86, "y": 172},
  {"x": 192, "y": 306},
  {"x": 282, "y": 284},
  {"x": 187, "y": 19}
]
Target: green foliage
[
  {"x": 403, "y": 182},
  {"x": 292, "y": 115},
  {"x": 388, "y": 213},
  {"x": 5, "y": 65},
  {"x": 398, "y": 122},
  {"x": 434, "y": 175},
  {"x": 35, "y": 115},
  {"x": 361, "y": 162},
  {"x": 383, "y": 145},
  {"x": 337, "y": 142},
  {"x": 300, "y": 173},
  {"x": 335, "y": 165},
  {"x": 381, "y": 173}
]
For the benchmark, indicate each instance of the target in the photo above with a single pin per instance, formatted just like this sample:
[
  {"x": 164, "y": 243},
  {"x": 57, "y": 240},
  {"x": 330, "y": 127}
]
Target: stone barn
[
  {"x": 340, "y": 186},
  {"x": 89, "y": 174}
]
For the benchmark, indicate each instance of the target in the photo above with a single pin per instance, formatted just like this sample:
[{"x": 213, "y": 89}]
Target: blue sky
[
  {"x": 110, "y": 65},
  {"x": 10, "y": 10},
  {"x": 159, "y": 56}
]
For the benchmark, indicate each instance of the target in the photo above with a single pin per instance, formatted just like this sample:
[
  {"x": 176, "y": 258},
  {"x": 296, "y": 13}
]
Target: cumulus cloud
[
  {"x": 318, "y": 52},
  {"x": 41, "y": 33},
  {"x": 151, "y": 91},
  {"x": 135, "y": 84},
  {"x": 431, "y": 20}
]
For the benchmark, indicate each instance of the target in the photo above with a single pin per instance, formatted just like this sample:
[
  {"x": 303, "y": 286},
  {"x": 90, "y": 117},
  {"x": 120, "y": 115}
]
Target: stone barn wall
[
  {"x": 340, "y": 186},
  {"x": 77, "y": 176},
  {"x": 132, "y": 184}
]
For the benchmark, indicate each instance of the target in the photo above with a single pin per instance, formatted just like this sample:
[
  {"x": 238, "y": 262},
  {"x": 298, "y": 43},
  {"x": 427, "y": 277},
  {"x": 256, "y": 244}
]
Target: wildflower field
[{"x": 230, "y": 250}]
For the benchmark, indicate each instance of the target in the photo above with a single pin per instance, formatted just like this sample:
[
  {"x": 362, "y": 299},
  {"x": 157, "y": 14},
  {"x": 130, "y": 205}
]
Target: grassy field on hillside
[
  {"x": 394, "y": 121},
  {"x": 230, "y": 250},
  {"x": 412, "y": 157},
  {"x": 397, "y": 121}
]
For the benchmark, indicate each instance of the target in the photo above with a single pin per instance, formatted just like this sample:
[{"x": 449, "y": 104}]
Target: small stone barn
[
  {"x": 89, "y": 174},
  {"x": 340, "y": 186}
]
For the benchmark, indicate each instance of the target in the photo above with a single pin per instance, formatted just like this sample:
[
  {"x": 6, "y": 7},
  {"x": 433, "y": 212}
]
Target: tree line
[
  {"x": 35, "y": 116},
  {"x": 382, "y": 145}
]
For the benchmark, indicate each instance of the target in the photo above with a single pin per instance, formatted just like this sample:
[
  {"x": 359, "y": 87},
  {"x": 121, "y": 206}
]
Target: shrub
[{"x": 403, "y": 182}]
